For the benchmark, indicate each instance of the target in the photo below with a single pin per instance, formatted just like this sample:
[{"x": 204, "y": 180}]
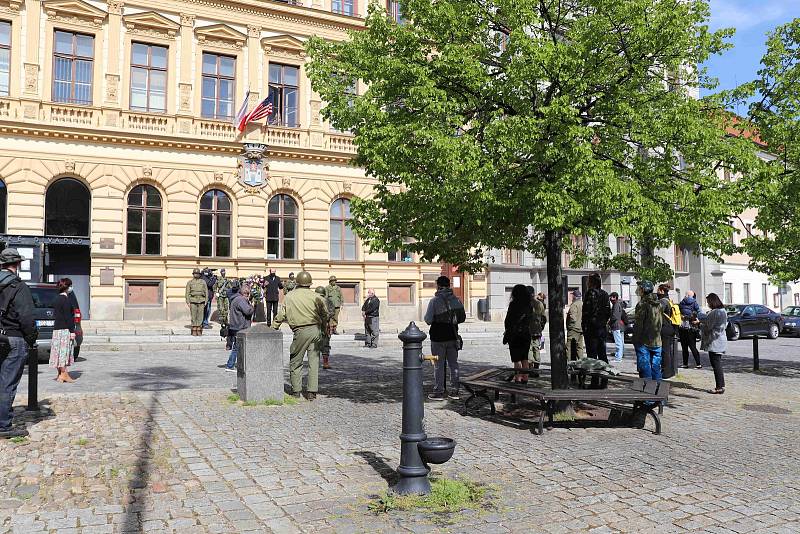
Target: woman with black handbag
[{"x": 517, "y": 330}]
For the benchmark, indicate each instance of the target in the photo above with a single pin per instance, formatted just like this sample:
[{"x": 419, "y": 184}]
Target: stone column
[
  {"x": 186, "y": 99},
  {"x": 259, "y": 366},
  {"x": 31, "y": 90}
]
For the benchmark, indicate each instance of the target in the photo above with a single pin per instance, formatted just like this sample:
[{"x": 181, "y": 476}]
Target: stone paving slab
[{"x": 167, "y": 456}]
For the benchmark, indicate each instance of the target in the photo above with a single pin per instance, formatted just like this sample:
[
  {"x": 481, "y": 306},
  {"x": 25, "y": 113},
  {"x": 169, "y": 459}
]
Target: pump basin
[{"x": 436, "y": 450}]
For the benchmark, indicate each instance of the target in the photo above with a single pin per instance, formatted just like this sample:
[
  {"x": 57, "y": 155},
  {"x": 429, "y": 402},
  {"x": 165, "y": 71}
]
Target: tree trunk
[
  {"x": 647, "y": 253},
  {"x": 555, "y": 304}
]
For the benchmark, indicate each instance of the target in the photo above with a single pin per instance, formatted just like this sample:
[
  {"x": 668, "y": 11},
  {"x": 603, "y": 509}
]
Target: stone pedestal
[{"x": 259, "y": 365}]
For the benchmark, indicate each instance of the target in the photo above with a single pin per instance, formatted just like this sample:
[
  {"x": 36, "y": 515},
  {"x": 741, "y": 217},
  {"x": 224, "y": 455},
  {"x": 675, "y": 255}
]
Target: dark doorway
[
  {"x": 457, "y": 280},
  {"x": 67, "y": 213}
]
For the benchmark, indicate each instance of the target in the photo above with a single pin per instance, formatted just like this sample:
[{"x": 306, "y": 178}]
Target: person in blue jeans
[
  {"x": 239, "y": 318},
  {"x": 18, "y": 328},
  {"x": 647, "y": 332},
  {"x": 617, "y": 325}
]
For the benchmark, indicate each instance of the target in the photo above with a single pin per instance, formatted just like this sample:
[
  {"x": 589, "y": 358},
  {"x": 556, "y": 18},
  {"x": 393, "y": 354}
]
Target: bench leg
[
  {"x": 539, "y": 428},
  {"x": 656, "y": 420}
]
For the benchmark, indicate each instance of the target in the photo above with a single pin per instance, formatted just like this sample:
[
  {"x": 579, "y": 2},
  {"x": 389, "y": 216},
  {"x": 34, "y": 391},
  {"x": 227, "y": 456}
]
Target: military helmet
[
  {"x": 9, "y": 255},
  {"x": 320, "y": 290},
  {"x": 303, "y": 279},
  {"x": 332, "y": 279},
  {"x": 646, "y": 285},
  {"x": 196, "y": 271}
]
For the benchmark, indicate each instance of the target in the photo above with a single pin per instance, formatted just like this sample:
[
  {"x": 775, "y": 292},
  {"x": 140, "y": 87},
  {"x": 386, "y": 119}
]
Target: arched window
[
  {"x": 144, "y": 220},
  {"x": 3, "y": 206},
  {"x": 343, "y": 240},
  {"x": 282, "y": 228},
  {"x": 67, "y": 207},
  {"x": 215, "y": 224}
]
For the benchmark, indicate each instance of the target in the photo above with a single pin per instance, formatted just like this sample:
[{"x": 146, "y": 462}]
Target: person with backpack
[
  {"x": 669, "y": 327},
  {"x": 445, "y": 312},
  {"x": 17, "y": 333},
  {"x": 517, "y": 333},
  {"x": 687, "y": 332},
  {"x": 538, "y": 321}
]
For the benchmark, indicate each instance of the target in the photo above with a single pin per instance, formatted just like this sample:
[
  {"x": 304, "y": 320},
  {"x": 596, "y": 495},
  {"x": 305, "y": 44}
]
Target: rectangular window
[
  {"x": 797, "y": 299},
  {"x": 746, "y": 293},
  {"x": 350, "y": 292},
  {"x": 401, "y": 294},
  {"x": 144, "y": 293},
  {"x": 5, "y": 58},
  {"x": 148, "y": 78},
  {"x": 401, "y": 255},
  {"x": 351, "y": 91},
  {"x": 623, "y": 245},
  {"x": 728, "y": 294},
  {"x": 393, "y": 8},
  {"x": 73, "y": 68},
  {"x": 218, "y": 87},
  {"x": 764, "y": 293},
  {"x": 343, "y": 7},
  {"x": 512, "y": 257},
  {"x": 284, "y": 83}
]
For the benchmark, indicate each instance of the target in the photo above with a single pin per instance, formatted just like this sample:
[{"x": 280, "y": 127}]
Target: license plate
[{"x": 45, "y": 323}]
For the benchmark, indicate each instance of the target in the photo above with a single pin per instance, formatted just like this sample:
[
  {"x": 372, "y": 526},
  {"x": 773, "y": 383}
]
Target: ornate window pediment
[
  {"x": 151, "y": 23},
  {"x": 75, "y": 12},
  {"x": 221, "y": 35},
  {"x": 284, "y": 46},
  {"x": 10, "y": 6}
]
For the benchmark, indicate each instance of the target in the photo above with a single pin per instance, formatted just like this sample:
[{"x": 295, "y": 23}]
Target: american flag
[
  {"x": 239, "y": 121},
  {"x": 262, "y": 110}
]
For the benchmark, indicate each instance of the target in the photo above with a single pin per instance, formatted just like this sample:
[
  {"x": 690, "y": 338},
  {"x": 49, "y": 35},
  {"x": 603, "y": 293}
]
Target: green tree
[
  {"x": 775, "y": 116},
  {"x": 515, "y": 123}
]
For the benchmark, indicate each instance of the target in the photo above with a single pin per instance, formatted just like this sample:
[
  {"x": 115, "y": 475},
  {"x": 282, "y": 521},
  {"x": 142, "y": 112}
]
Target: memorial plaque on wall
[
  {"x": 106, "y": 276},
  {"x": 107, "y": 243},
  {"x": 251, "y": 243}
]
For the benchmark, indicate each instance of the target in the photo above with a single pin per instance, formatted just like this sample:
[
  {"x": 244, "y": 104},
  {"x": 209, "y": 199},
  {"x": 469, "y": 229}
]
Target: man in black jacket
[
  {"x": 19, "y": 327},
  {"x": 272, "y": 291},
  {"x": 371, "y": 312},
  {"x": 445, "y": 312},
  {"x": 210, "y": 279},
  {"x": 594, "y": 320}
]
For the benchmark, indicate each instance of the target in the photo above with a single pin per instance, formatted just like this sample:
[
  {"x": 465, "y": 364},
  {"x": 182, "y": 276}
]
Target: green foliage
[
  {"x": 82, "y": 442},
  {"x": 489, "y": 122},
  {"x": 233, "y": 398},
  {"x": 19, "y": 440},
  {"x": 287, "y": 400},
  {"x": 775, "y": 116},
  {"x": 447, "y": 496}
]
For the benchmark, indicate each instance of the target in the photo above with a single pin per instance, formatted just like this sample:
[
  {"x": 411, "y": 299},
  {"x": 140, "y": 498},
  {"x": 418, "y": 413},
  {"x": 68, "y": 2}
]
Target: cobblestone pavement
[{"x": 171, "y": 454}]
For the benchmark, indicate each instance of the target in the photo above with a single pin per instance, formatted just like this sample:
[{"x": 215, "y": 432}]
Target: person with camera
[
  {"x": 17, "y": 333},
  {"x": 687, "y": 332}
]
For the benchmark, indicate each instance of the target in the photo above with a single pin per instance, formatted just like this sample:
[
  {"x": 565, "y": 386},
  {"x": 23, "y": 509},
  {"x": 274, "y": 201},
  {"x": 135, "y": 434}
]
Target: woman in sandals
[
  {"x": 518, "y": 333},
  {"x": 63, "y": 332},
  {"x": 715, "y": 341}
]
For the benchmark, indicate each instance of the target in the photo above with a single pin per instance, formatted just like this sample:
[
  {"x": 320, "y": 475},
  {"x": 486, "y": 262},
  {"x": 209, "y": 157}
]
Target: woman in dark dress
[{"x": 517, "y": 330}]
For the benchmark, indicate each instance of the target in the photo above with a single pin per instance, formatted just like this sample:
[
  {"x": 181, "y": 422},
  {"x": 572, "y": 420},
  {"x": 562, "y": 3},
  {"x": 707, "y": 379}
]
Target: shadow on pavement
[
  {"x": 157, "y": 378},
  {"x": 378, "y": 463},
  {"x": 140, "y": 477},
  {"x": 26, "y": 418}
]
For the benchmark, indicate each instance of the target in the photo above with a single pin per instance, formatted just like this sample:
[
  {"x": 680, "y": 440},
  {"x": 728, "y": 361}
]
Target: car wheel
[
  {"x": 734, "y": 332},
  {"x": 774, "y": 331}
]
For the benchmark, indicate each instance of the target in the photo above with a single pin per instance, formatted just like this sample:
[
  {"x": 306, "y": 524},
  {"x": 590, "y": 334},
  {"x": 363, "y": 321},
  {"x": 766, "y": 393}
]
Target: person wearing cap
[
  {"x": 291, "y": 283},
  {"x": 196, "y": 298},
  {"x": 574, "y": 328},
  {"x": 17, "y": 333},
  {"x": 307, "y": 314},
  {"x": 333, "y": 292},
  {"x": 325, "y": 344},
  {"x": 221, "y": 288},
  {"x": 647, "y": 332}
]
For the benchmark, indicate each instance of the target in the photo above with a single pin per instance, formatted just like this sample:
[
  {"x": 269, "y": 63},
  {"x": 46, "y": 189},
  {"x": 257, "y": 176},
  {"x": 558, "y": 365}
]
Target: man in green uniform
[
  {"x": 574, "y": 328},
  {"x": 290, "y": 284},
  {"x": 325, "y": 346},
  {"x": 306, "y": 314},
  {"x": 196, "y": 297},
  {"x": 221, "y": 288},
  {"x": 333, "y": 293}
]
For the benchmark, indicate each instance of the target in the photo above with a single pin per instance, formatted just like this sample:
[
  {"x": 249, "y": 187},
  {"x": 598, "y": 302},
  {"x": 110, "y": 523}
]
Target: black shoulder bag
[{"x": 459, "y": 340}]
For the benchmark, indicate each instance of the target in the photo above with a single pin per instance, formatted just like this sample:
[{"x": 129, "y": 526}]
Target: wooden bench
[{"x": 635, "y": 397}]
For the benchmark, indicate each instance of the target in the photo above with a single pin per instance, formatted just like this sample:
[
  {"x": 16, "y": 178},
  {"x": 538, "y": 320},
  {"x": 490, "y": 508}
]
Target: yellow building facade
[{"x": 122, "y": 168}]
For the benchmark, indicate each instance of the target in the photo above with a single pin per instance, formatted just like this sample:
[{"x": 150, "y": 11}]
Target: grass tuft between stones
[
  {"x": 19, "y": 440},
  {"x": 287, "y": 400},
  {"x": 447, "y": 496}
]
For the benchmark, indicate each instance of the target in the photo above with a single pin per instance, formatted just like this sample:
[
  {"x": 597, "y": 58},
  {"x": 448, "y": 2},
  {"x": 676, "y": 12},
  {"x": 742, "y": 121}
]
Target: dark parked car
[
  {"x": 791, "y": 321},
  {"x": 752, "y": 320},
  {"x": 43, "y": 297}
]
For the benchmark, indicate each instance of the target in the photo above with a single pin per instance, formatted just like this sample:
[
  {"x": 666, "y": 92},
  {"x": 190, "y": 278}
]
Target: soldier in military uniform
[
  {"x": 325, "y": 346},
  {"x": 333, "y": 293},
  {"x": 306, "y": 314},
  {"x": 196, "y": 298},
  {"x": 290, "y": 284},
  {"x": 221, "y": 288},
  {"x": 574, "y": 328}
]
